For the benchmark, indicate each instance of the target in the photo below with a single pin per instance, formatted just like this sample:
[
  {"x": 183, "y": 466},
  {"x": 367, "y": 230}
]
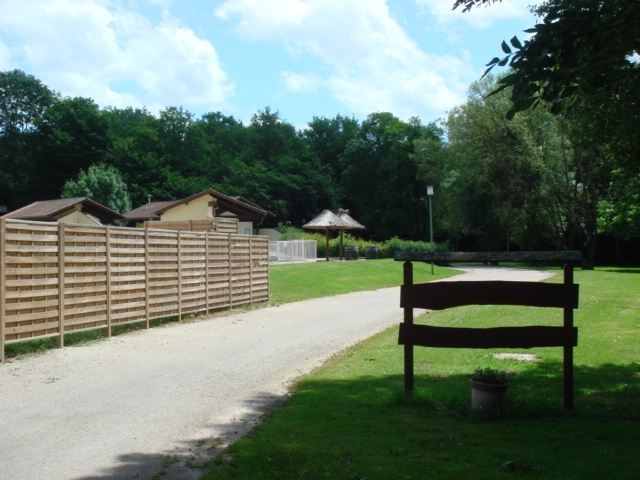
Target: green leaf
[
  {"x": 516, "y": 43},
  {"x": 505, "y": 47},
  {"x": 493, "y": 61}
]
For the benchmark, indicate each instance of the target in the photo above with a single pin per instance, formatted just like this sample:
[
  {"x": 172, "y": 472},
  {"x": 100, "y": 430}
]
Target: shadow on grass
[{"x": 368, "y": 428}]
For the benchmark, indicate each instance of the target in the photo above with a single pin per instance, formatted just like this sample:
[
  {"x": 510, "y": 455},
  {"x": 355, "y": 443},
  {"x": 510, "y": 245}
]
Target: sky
[{"x": 302, "y": 58}]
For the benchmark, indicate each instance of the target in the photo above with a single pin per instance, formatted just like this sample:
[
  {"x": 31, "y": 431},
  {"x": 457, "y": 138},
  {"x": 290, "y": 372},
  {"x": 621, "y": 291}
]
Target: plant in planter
[{"x": 488, "y": 387}]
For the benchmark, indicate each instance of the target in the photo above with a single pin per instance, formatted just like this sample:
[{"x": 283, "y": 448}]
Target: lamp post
[{"x": 430, "y": 194}]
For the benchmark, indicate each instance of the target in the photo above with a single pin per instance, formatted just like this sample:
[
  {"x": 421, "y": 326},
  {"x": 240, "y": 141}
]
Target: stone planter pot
[{"x": 487, "y": 396}]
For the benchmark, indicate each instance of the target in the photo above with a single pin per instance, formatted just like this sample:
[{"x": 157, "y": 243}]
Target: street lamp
[{"x": 430, "y": 194}]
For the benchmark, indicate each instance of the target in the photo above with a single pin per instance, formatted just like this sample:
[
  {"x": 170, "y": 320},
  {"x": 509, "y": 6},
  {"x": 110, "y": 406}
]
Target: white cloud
[
  {"x": 479, "y": 17},
  {"x": 112, "y": 54},
  {"x": 375, "y": 66},
  {"x": 301, "y": 82}
]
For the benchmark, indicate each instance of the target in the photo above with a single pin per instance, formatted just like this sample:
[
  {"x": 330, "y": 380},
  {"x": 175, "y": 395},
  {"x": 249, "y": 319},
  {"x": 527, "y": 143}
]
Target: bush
[
  {"x": 397, "y": 245},
  {"x": 385, "y": 249}
]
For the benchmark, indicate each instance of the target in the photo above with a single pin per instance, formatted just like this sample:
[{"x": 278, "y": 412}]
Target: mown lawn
[{"x": 351, "y": 419}]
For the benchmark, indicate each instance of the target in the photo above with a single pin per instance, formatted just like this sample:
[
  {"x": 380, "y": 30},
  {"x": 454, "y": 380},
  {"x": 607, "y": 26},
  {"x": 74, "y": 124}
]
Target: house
[
  {"x": 80, "y": 210},
  {"x": 204, "y": 207}
]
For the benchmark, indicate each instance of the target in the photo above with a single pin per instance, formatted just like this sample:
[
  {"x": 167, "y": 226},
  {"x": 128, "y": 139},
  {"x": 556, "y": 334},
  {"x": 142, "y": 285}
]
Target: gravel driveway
[{"x": 122, "y": 407}]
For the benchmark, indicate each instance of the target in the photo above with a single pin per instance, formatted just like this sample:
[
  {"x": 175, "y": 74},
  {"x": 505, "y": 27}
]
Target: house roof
[
  {"x": 148, "y": 211},
  {"x": 52, "y": 210},
  {"x": 242, "y": 208}
]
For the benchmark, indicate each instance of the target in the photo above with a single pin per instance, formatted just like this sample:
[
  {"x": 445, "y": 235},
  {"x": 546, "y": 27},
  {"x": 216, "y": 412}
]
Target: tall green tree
[
  {"x": 582, "y": 52},
  {"x": 23, "y": 102},
  {"x": 327, "y": 139},
  {"x": 379, "y": 177},
  {"x": 101, "y": 184},
  {"x": 72, "y": 135},
  {"x": 512, "y": 180}
]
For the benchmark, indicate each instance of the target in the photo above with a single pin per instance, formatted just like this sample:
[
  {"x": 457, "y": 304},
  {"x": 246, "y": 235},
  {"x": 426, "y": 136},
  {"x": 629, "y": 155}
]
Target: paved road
[{"x": 118, "y": 408}]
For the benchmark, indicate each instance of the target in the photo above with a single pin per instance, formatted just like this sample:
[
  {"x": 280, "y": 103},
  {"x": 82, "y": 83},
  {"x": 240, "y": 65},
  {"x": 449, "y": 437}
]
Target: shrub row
[{"x": 385, "y": 249}]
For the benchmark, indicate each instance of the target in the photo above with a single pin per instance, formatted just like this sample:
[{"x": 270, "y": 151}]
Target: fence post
[
  {"x": 3, "y": 283},
  {"x": 108, "y": 270},
  {"x": 206, "y": 271},
  {"x": 250, "y": 270},
  {"x": 179, "y": 277},
  {"x": 568, "y": 349},
  {"x": 146, "y": 278},
  {"x": 408, "y": 320},
  {"x": 230, "y": 269},
  {"x": 61, "y": 286}
]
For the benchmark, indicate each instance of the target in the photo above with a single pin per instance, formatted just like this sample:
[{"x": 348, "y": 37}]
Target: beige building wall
[
  {"x": 197, "y": 209},
  {"x": 245, "y": 228},
  {"x": 78, "y": 217}
]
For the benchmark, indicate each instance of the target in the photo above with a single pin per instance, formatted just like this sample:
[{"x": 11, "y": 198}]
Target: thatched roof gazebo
[{"x": 326, "y": 221}]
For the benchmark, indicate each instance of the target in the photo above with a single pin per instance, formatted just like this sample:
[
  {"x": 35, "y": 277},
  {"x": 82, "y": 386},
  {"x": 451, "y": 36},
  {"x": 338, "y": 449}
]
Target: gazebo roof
[
  {"x": 346, "y": 218},
  {"x": 327, "y": 219}
]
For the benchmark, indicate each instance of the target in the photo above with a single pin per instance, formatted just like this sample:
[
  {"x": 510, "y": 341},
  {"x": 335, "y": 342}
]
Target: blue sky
[{"x": 303, "y": 58}]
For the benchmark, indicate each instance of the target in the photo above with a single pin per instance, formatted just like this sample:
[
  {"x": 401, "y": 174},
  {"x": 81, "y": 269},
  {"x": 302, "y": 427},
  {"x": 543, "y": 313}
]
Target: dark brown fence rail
[{"x": 62, "y": 278}]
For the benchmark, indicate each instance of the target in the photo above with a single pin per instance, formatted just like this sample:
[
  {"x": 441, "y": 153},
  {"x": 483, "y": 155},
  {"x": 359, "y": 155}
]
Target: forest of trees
[{"x": 533, "y": 182}]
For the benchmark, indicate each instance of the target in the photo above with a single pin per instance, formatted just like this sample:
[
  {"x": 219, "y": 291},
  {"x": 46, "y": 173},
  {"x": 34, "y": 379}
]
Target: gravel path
[{"x": 124, "y": 407}]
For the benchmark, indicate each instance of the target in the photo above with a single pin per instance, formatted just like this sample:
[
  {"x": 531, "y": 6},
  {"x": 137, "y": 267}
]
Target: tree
[
  {"x": 379, "y": 177},
  {"x": 23, "y": 101},
  {"x": 73, "y": 135},
  {"x": 327, "y": 138},
  {"x": 583, "y": 52},
  {"x": 511, "y": 181},
  {"x": 102, "y": 184}
]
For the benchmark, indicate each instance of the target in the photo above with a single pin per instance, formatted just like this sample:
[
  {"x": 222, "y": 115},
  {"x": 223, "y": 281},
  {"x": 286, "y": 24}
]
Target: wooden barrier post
[
  {"x": 107, "y": 330},
  {"x": 179, "y": 252},
  {"x": 61, "y": 286},
  {"x": 250, "y": 271},
  {"x": 230, "y": 270},
  {"x": 408, "y": 320},
  {"x": 568, "y": 349},
  {"x": 3, "y": 283},
  {"x": 147, "y": 313},
  {"x": 206, "y": 271}
]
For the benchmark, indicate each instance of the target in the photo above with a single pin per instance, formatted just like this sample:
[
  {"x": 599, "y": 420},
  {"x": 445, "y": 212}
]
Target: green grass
[
  {"x": 300, "y": 281},
  {"x": 351, "y": 419}
]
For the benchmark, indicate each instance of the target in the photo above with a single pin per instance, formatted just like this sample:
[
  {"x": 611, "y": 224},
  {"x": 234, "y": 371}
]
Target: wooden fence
[
  {"x": 219, "y": 225},
  {"x": 58, "y": 278},
  {"x": 443, "y": 295}
]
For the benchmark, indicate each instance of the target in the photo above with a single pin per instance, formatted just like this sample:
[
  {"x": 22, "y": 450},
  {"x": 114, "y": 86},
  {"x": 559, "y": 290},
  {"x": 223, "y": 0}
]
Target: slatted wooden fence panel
[
  {"x": 218, "y": 270},
  {"x": 219, "y": 225},
  {"x": 128, "y": 279},
  {"x": 85, "y": 276},
  {"x": 30, "y": 282},
  {"x": 62, "y": 278},
  {"x": 193, "y": 278},
  {"x": 162, "y": 251},
  {"x": 226, "y": 225}
]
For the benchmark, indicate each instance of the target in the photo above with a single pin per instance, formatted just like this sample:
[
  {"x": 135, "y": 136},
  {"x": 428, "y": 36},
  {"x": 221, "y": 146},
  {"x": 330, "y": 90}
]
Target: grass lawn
[
  {"x": 301, "y": 281},
  {"x": 351, "y": 419}
]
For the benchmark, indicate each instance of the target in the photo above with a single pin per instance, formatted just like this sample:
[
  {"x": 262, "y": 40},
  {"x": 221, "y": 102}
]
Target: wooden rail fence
[
  {"x": 443, "y": 295},
  {"x": 58, "y": 278}
]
